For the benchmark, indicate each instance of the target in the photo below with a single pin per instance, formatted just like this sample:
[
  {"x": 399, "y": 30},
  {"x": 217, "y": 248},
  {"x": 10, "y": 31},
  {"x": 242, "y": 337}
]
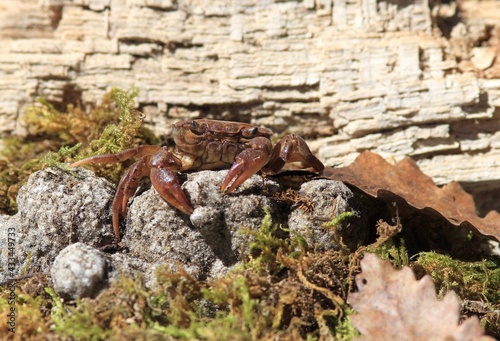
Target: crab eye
[
  {"x": 196, "y": 128},
  {"x": 252, "y": 132}
]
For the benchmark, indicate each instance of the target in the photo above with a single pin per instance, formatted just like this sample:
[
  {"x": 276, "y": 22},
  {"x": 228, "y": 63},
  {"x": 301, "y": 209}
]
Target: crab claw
[
  {"x": 166, "y": 183},
  {"x": 248, "y": 162},
  {"x": 292, "y": 148}
]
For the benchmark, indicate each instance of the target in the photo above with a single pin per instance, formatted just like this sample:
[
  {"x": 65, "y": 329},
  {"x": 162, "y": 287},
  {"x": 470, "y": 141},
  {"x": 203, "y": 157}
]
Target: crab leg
[
  {"x": 292, "y": 148},
  {"x": 126, "y": 189},
  {"x": 118, "y": 157},
  {"x": 248, "y": 162}
]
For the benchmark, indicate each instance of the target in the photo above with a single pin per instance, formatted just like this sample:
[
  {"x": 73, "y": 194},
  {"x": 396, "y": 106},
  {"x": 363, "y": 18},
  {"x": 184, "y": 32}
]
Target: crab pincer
[{"x": 248, "y": 162}]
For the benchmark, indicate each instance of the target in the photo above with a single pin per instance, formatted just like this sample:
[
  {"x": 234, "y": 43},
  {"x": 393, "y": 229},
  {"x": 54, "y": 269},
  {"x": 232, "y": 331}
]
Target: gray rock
[
  {"x": 56, "y": 209},
  {"x": 78, "y": 271},
  {"x": 330, "y": 199},
  {"x": 158, "y": 233}
]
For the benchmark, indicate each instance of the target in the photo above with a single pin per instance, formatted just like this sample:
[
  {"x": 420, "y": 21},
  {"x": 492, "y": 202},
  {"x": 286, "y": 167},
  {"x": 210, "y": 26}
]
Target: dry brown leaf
[
  {"x": 376, "y": 177},
  {"x": 393, "y": 305}
]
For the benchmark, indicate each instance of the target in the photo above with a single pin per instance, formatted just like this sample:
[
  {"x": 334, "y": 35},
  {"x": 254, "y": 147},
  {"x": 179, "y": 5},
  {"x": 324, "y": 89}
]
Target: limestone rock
[{"x": 158, "y": 234}]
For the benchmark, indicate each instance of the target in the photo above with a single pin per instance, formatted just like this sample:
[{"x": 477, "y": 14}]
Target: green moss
[
  {"x": 264, "y": 244},
  {"x": 118, "y": 135},
  {"x": 55, "y": 137},
  {"x": 241, "y": 313},
  {"x": 30, "y": 314},
  {"x": 123, "y": 312},
  {"x": 76, "y": 125},
  {"x": 345, "y": 330},
  {"x": 395, "y": 251},
  {"x": 339, "y": 219},
  {"x": 300, "y": 296},
  {"x": 479, "y": 281},
  {"x": 76, "y": 321}
]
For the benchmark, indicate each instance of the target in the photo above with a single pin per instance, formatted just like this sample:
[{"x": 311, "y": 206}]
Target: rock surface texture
[
  {"x": 72, "y": 222},
  {"x": 78, "y": 271},
  {"x": 398, "y": 78},
  {"x": 56, "y": 209}
]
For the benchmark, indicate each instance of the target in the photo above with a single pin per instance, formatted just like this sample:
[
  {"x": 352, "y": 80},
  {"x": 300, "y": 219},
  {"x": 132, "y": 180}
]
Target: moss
[
  {"x": 479, "y": 281},
  {"x": 395, "y": 251},
  {"x": 339, "y": 219},
  {"x": 345, "y": 330},
  {"x": 126, "y": 311},
  {"x": 264, "y": 245},
  {"x": 54, "y": 138},
  {"x": 282, "y": 290},
  {"x": 31, "y": 311}
]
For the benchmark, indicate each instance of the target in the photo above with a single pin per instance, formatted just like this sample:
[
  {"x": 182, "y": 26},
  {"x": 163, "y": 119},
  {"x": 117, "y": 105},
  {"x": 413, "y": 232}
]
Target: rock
[
  {"x": 329, "y": 199},
  {"x": 158, "y": 233},
  {"x": 78, "y": 271},
  {"x": 483, "y": 57},
  {"x": 56, "y": 209}
]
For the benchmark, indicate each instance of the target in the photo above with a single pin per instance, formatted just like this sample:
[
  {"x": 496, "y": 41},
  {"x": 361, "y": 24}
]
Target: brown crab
[{"x": 203, "y": 144}]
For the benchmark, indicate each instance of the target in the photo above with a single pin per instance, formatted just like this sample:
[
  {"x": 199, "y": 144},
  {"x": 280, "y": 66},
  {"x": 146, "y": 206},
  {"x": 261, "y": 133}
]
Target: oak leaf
[
  {"x": 393, "y": 305},
  {"x": 376, "y": 177}
]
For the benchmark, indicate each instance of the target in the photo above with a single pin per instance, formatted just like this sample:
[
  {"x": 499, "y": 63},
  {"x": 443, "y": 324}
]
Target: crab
[{"x": 200, "y": 145}]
